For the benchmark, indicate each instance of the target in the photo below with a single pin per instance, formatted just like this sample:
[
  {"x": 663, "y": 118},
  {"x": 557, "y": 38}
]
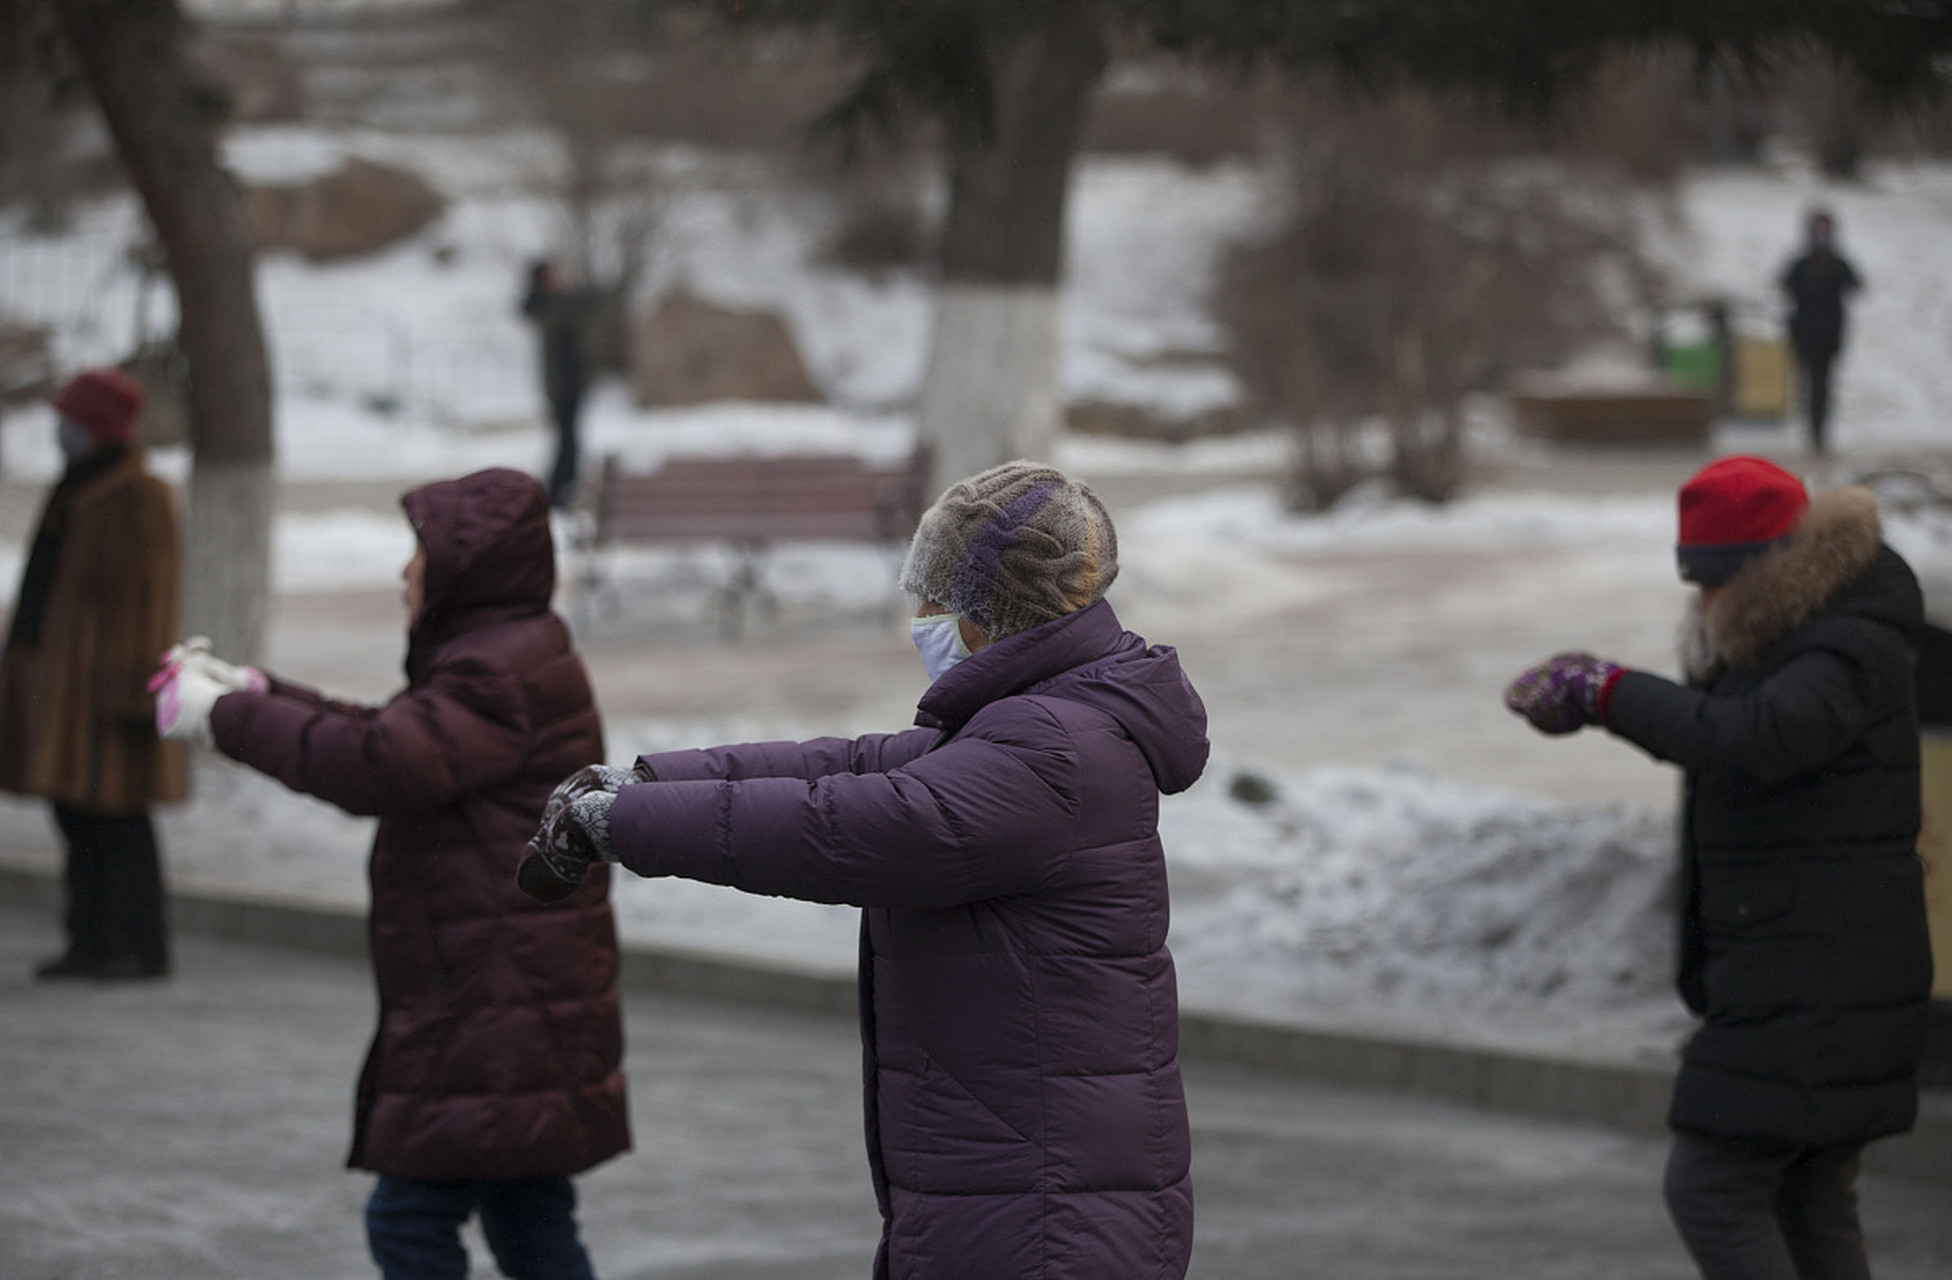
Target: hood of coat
[
  {"x": 1834, "y": 561},
  {"x": 1090, "y": 658},
  {"x": 488, "y": 546}
]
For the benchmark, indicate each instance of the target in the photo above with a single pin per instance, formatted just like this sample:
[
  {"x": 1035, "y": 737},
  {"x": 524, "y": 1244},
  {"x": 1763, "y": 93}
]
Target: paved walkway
[{"x": 194, "y": 1129}]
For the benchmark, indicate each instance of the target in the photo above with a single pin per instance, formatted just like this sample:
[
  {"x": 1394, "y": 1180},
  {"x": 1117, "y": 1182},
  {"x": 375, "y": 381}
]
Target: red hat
[
  {"x": 1733, "y": 510},
  {"x": 105, "y": 401}
]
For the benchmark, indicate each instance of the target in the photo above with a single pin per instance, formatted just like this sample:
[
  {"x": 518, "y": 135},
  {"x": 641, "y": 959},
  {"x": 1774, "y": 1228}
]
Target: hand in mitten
[
  {"x": 1564, "y": 693},
  {"x": 560, "y": 855},
  {"x": 195, "y": 653},
  {"x": 184, "y": 697},
  {"x": 595, "y": 777},
  {"x": 575, "y": 831},
  {"x": 188, "y": 685}
]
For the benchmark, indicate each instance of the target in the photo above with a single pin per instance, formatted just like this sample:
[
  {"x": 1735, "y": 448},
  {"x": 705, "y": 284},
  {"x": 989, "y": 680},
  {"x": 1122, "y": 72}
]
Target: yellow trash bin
[{"x": 1760, "y": 388}]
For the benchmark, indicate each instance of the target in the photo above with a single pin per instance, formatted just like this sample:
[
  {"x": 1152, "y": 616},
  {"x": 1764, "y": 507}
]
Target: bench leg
[
  {"x": 595, "y": 583},
  {"x": 743, "y": 583}
]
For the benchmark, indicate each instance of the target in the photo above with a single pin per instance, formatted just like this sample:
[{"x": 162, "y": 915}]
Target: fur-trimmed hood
[{"x": 1832, "y": 548}]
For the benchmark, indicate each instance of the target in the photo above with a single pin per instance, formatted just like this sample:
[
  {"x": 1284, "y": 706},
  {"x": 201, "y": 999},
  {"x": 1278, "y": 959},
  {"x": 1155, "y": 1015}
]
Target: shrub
[{"x": 1427, "y": 251}]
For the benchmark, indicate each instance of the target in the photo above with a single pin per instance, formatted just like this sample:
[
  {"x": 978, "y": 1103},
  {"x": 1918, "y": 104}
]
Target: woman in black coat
[{"x": 1804, "y": 946}]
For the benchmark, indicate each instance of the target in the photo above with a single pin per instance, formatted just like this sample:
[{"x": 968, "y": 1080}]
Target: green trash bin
[{"x": 1696, "y": 366}]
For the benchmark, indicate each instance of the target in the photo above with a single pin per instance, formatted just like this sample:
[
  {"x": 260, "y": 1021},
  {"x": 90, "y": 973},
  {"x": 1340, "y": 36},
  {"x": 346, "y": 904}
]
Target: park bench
[{"x": 749, "y": 504}]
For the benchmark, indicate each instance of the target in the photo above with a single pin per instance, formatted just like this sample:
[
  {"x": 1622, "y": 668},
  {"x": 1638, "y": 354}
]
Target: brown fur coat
[{"x": 77, "y": 723}]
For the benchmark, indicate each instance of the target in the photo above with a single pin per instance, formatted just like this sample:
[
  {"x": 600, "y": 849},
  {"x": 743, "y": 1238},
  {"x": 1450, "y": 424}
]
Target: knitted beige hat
[{"x": 1012, "y": 548}]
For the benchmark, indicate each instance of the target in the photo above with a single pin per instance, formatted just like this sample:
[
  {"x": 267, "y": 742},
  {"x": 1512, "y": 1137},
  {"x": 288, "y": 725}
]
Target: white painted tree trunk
[
  {"x": 131, "y": 52},
  {"x": 227, "y": 556},
  {"x": 990, "y": 393}
]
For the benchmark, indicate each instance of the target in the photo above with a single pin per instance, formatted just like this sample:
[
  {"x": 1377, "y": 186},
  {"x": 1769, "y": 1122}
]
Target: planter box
[{"x": 1665, "y": 416}]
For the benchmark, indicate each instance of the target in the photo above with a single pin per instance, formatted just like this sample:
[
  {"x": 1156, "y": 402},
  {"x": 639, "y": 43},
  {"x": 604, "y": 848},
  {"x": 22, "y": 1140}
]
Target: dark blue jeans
[{"x": 413, "y": 1227}]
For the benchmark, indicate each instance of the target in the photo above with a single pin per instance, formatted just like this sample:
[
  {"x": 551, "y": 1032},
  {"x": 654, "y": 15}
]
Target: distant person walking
[
  {"x": 97, "y": 602},
  {"x": 1018, "y": 1011},
  {"x": 560, "y": 312},
  {"x": 495, "y": 1072},
  {"x": 1817, "y": 283},
  {"x": 1803, "y": 942}
]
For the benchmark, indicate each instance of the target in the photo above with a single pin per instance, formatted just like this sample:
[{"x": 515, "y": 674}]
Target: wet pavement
[{"x": 196, "y": 1128}]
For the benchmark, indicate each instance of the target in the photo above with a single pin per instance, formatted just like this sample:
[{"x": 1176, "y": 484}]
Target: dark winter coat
[
  {"x": 1816, "y": 284},
  {"x": 1804, "y": 944},
  {"x": 97, "y": 606},
  {"x": 499, "y": 1044},
  {"x": 1019, "y": 1016},
  {"x": 561, "y": 317}
]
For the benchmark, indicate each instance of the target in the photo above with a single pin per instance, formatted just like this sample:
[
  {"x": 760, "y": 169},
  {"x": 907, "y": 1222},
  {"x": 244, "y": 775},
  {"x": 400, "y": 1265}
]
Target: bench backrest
[{"x": 759, "y": 499}]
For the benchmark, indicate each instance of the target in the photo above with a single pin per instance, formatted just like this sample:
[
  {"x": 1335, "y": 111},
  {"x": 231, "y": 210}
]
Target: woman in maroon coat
[
  {"x": 495, "y": 1071},
  {"x": 1021, "y": 1025}
]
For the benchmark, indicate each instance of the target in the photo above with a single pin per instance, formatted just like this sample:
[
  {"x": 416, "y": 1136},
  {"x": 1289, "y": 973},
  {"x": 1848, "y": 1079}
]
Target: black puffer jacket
[{"x": 1804, "y": 943}]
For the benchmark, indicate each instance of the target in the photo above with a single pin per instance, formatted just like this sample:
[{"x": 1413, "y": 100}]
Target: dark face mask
[{"x": 74, "y": 439}]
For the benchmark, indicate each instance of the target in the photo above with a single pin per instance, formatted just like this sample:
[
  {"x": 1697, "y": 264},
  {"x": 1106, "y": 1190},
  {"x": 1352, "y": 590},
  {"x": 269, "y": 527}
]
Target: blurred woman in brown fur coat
[{"x": 97, "y": 603}]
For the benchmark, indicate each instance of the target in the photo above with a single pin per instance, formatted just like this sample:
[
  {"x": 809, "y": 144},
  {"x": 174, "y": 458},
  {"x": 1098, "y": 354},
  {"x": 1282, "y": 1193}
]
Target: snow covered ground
[{"x": 1383, "y": 895}]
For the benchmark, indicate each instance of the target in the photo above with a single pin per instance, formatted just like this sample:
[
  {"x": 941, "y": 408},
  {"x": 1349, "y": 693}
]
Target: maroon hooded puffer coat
[
  {"x": 1019, "y": 1015},
  {"x": 500, "y": 1039}
]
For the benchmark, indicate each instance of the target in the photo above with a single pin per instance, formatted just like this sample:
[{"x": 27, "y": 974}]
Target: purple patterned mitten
[{"x": 1564, "y": 693}]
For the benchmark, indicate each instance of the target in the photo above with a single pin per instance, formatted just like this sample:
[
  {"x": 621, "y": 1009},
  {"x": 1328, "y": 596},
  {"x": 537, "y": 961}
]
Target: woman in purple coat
[
  {"x": 496, "y": 1070},
  {"x": 1018, "y": 1010}
]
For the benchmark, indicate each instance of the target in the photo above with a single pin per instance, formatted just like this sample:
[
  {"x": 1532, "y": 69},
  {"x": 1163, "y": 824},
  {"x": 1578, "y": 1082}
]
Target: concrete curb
[{"x": 1616, "y": 1095}]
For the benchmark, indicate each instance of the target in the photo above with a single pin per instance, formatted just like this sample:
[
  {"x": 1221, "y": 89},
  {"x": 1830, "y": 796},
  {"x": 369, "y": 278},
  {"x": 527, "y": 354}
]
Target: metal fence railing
[
  {"x": 390, "y": 366},
  {"x": 91, "y": 296}
]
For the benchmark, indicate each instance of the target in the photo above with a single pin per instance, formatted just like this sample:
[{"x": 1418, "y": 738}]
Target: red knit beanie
[
  {"x": 1733, "y": 510},
  {"x": 105, "y": 401}
]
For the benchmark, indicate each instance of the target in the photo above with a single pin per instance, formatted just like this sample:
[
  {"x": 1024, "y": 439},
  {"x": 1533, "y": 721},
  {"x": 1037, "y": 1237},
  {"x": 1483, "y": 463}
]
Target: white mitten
[
  {"x": 195, "y": 652},
  {"x": 183, "y": 703},
  {"x": 188, "y": 685}
]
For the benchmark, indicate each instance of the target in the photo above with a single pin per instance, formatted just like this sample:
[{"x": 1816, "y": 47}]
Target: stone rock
[
  {"x": 690, "y": 351},
  {"x": 358, "y": 208}
]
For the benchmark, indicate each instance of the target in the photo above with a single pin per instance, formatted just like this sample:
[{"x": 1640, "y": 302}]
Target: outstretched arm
[
  {"x": 425, "y": 749},
  {"x": 1806, "y": 713},
  {"x": 978, "y": 818},
  {"x": 816, "y": 758}
]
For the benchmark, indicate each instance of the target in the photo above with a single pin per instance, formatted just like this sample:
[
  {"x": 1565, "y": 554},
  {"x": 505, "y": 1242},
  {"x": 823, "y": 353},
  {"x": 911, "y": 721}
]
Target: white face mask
[{"x": 938, "y": 638}]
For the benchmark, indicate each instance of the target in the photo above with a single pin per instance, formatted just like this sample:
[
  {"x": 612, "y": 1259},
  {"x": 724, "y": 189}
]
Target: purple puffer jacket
[
  {"x": 1018, "y": 1010},
  {"x": 499, "y": 1048}
]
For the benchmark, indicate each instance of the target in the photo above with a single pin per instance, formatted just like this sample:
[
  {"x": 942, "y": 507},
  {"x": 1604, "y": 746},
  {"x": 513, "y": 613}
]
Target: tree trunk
[
  {"x": 990, "y": 393},
  {"x": 131, "y": 53},
  {"x": 33, "y": 125}
]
